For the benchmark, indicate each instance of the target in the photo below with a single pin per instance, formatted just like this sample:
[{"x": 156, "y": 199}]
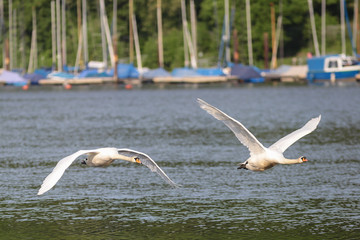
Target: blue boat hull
[{"x": 313, "y": 76}]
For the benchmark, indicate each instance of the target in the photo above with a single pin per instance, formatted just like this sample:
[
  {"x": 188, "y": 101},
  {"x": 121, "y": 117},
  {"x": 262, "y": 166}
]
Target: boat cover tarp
[
  {"x": 43, "y": 72},
  {"x": 93, "y": 73},
  {"x": 299, "y": 71},
  {"x": 96, "y": 65},
  {"x": 61, "y": 75},
  {"x": 286, "y": 71},
  {"x": 280, "y": 70},
  {"x": 158, "y": 72},
  {"x": 184, "y": 72},
  {"x": 12, "y": 78},
  {"x": 210, "y": 71},
  {"x": 70, "y": 68},
  {"x": 245, "y": 72},
  {"x": 188, "y": 72},
  {"x": 33, "y": 78},
  {"x": 125, "y": 71}
]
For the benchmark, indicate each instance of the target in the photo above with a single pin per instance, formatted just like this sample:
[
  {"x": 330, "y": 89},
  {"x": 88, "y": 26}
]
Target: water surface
[{"x": 315, "y": 200}]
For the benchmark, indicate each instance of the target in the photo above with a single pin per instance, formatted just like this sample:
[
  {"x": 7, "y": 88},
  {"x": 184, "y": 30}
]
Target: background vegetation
[{"x": 296, "y": 37}]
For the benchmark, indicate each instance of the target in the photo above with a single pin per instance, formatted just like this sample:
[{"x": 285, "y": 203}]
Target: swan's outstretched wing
[
  {"x": 148, "y": 162},
  {"x": 244, "y": 135},
  {"x": 285, "y": 142},
  {"x": 59, "y": 170}
]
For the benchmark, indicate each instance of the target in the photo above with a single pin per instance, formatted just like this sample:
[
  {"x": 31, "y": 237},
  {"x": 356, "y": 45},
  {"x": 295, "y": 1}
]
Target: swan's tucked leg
[{"x": 243, "y": 165}]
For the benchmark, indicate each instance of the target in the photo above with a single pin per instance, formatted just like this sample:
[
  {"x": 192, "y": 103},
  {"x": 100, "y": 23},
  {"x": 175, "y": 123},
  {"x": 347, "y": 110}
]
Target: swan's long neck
[
  {"x": 126, "y": 158},
  {"x": 289, "y": 161}
]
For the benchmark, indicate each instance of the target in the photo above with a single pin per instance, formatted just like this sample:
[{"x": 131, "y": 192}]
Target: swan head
[
  {"x": 137, "y": 160},
  {"x": 303, "y": 159},
  {"x": 84, "y": 161}
]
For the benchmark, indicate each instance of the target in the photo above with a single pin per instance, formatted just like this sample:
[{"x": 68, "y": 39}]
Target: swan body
[
  {"x": 102, "y": 157},
  {"x": 262, "y": 158}
]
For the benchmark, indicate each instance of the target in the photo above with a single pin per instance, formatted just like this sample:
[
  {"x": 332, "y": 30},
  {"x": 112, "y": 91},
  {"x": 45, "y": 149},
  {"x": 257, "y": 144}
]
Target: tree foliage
[{"x": 296, "y": 35}]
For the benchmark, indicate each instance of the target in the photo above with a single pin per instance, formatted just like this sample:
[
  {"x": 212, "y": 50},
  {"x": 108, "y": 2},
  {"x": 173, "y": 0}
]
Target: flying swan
[
  {"x": 102, "y": 157},
  {"x": 262, "y": 158}
]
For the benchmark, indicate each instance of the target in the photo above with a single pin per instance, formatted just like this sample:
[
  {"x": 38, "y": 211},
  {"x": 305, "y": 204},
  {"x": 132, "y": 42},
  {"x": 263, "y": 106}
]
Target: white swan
[
  {"x": 262, "y": 158},
  {"x": 101, "y": 157}
]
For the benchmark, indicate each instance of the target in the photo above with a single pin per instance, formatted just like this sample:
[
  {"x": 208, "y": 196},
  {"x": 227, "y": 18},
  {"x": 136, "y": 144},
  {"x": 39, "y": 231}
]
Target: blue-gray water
[{"x": 315, "y": 200}]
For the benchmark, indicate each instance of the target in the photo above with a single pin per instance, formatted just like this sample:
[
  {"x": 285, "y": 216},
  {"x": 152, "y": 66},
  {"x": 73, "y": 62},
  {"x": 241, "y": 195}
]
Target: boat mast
[
  {"x": 313, "y": 28},
  {"x": 115, "y": 39},
  {"x": 273, "y": 63},
  {"x": 183, "y": 15},
  {"x": 276, "y": 42},
  {"x": 78, "y": 53},
  {"x": 84, "y": 28},
  {"x": 131, "y": 34},
  {"x": 137, "y": 45},
  {"x": 188, "y": 46},
  {"x": 193, "y": 29},
  {"x": 355, "y": 23},
  {"x": 22, "y": 39},
  {"x": 5, "y": 39},
  {"x": 53, "y": 35},
  {"x": 107, "y": 32},
  {"x": 236, "y": 46},
  {"x": 10, "y": 36},
  {"x": 33, "y": 50},
  {"x": 35, "y": 65},
  {"x": 227, "y": 33},
  {"x": 103, "y": 40},
  {"x": 323, "y": 27},
  {"x": 160, "y": 34},
  {"x": 58, "y": 36},
  {"x": 342, "y": 26},
  {"x": 266, "y": 50},
  {"x": 249, "y": 37},
  {"x": 15, "y": 47},
  {"x": 2, "y": 32},
  {"x": 63, "y": 11}
]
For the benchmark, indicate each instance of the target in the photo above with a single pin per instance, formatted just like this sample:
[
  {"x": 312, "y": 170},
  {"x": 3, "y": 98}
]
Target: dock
[
  {"x": 287, "y": 74},
  {"x": 76, "y": 81},
  {"x": 162, "y": 80},
  {"x": 197, "y": 79}
]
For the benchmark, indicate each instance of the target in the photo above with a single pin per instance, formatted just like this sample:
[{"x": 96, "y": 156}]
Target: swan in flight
[
  {"x": 262, "y": 158},
  {"x": 102, "y": 157}
]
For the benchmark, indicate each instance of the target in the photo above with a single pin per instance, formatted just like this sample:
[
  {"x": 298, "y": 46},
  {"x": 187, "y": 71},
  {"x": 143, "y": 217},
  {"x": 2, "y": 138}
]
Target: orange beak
[
  {"x": 137, "y": 160},
  {"x": 304, "y": 159}
]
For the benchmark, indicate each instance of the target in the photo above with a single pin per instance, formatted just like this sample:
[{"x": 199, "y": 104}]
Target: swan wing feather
[
  {"x": 282, "y": 144},
  {"x": 240, "y": 131},
  {"x": 59, "y": 170},
  {"x": 148, "y": 162}
]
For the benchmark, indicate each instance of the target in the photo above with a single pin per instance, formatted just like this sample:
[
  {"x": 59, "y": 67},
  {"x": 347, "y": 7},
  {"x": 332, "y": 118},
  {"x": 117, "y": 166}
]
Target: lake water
[{"x": 319, "y": 199}]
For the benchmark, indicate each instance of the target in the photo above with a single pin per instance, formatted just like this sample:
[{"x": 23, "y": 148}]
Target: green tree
[{"x": 297, "y": 37}]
